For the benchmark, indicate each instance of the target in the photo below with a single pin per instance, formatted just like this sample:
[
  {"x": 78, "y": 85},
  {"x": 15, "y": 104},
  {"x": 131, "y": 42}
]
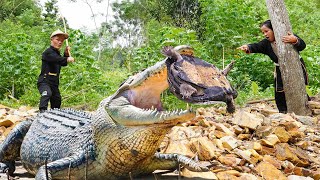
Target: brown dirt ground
[{"x": 22, "y": 174}]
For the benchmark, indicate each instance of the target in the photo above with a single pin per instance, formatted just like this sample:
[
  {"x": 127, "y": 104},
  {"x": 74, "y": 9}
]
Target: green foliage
[
  {"x": 228, "y": 24},
  {"x": 158, "y": 37},
  {"x": 30, "y": 18},
  {"x": 255, "y": 92},
  {"x": 255, "y": 88},
  {"x": 52, "y": 16},
  {"x": 51, "y": 10},
  {"x": 127, "y": 24},
  {"x": 17, "y": 61},
  {"x": 304, "y": 18},
  {"x": 132, "y": 17},
  {"x": 179, "y": 13},
  {"x": 14, "y": 8},
  {"x": 250, "y": 68},
  {"x": 169, "y": 101},
  {"x": 143, "y": 27}
]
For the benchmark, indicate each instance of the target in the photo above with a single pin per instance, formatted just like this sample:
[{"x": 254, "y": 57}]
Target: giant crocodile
[{"x": 119, "y": 140}]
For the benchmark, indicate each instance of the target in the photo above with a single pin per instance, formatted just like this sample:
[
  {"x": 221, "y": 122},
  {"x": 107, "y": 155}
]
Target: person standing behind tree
[
  {"x": 268, "y": 47},
  {"x": 48, "y": 80}
]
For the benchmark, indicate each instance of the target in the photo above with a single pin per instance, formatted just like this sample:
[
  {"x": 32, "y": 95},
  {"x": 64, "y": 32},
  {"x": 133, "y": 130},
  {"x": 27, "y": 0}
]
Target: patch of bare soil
[{"x": 20, "y": 173}]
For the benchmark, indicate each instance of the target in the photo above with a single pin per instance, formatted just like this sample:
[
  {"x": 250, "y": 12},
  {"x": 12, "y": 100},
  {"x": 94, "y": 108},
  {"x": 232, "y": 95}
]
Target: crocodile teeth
[
  {"x": 154, "y": 112},
  {"x": 151, "y": 111},
  {"x": 174, "y": 112}
]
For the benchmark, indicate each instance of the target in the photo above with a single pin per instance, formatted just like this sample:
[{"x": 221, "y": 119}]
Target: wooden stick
[
  {"x": 86, "y": 166},
  {"x": 46, "y": 168},
  {"x": 10, "y": 96},
  {"x": 69, "y": 170},
  {"x": 258, "y": 101},
  {"x": 65, "y": 31},
  {"x": 155, "y": 176}
]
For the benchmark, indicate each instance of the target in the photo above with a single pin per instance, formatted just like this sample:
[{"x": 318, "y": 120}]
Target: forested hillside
[{"x": 133, "y": 40}]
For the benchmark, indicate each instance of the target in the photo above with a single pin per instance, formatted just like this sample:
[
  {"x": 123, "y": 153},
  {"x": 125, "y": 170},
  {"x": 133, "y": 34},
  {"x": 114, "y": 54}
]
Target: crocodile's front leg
[
  {"x": 10, "y": 148},
  {"x": 65, "y": 168},
  {"x": 171, "y": 161}
]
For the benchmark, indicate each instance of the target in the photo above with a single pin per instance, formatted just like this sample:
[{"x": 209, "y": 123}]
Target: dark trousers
[
  {"x": 279, "y": 92},
  {"x": 280, "y": 101},
  {"x": 48, "y": 93},
  {"x": 280, "y": 98}
]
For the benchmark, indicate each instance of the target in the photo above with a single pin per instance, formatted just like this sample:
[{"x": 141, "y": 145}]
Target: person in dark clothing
[
  {"x": 48, "y": 80},
  {"x": 268, "y": 47}
]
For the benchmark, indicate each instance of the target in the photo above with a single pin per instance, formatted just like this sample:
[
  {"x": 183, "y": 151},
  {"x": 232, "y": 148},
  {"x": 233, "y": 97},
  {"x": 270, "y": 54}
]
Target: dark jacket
[
  {"x": 265, "y": 47},
  {"x": 51, "y": 65}
]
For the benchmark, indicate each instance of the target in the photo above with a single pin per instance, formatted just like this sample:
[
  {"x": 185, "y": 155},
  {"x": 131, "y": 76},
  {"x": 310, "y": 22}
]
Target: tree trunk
[{"x": 290, "y": 67}]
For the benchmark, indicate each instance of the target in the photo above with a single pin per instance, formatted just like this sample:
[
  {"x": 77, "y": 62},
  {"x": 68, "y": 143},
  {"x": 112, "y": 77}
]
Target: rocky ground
[{"x": 255, "y": 142}]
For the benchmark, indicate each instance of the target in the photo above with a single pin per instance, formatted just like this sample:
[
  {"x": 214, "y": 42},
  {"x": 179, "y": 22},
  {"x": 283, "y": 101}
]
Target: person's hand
[
  {"x": 67, "y": 51},
  {"x": 70, "y": 60},
  {"x": 244, "y": 48},
  {"x": 290, "y": 38}
]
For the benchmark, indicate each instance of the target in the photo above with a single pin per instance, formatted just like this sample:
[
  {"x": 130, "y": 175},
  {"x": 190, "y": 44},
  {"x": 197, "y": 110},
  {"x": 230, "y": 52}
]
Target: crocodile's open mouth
[
  {"x": 140, "y": 103},
  {"x": 147, "y": 95}
]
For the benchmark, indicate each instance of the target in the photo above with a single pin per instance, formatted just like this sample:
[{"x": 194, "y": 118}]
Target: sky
[{"x": 79, "y": 15}]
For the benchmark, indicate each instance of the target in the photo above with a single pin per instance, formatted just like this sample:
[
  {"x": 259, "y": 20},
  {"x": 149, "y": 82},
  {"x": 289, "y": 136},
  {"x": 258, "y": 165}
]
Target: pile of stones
[{"x": 256, "y": 142}]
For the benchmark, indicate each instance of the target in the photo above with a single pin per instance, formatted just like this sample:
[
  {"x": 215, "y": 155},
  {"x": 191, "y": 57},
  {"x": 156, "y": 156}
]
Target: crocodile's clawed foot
[
  {"x": 185, "y": 161},
  {"x": 199, "y": 168},
  {"x": 196, "y": 166},
  {"x": 3, "y": 168},
  {"x": 7, "y": 168}
]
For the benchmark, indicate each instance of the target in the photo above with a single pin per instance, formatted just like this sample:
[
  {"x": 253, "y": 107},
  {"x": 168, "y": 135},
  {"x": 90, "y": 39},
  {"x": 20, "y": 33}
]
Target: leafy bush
[
  {"x": 223, "y": 26},
  {"x": 17, "y": 61},
  {"x": 158, "y": 37},
  {"x": 255, "y": 92}
]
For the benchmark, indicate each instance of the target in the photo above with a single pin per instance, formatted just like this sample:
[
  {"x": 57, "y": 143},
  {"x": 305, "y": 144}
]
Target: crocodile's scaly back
[{"x": 54, "y": 135}]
